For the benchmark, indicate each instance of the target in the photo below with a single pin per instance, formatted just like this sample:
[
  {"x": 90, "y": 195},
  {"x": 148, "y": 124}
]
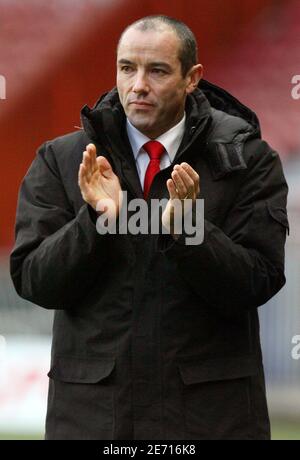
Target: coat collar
[
  {"x": 105, "y": 123},
  {"x": 216, "y": 120}
]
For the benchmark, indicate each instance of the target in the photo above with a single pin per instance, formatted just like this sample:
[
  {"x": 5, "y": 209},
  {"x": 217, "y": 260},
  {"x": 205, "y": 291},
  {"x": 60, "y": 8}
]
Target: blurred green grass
[
  {"x": 285, "y": 429},
  {"x": 281, "y": 430},
  {"x": 21, "y": 436}
]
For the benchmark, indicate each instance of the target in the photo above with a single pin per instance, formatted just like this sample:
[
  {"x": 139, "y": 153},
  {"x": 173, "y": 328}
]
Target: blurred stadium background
[{"x": 57, "y": 56}]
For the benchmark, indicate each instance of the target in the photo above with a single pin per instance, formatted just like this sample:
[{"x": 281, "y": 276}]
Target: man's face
[{"x": 151, "y": 87}]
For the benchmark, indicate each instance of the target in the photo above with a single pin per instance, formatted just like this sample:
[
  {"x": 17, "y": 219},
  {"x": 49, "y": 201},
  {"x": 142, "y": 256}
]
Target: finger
[
  {"x": 180, "y": 186},
  {"x": 194, "y": 175},
  {"x": 91, "y": 148},
  {"x": 105, "y": 167},
  {"x": 87, "y": 164},
  {"x": 171, "y": 189},
  {"x": 82, "y": 182},
  {"x": 92, "y": 151},
  {"x": 189, "y": 183}
]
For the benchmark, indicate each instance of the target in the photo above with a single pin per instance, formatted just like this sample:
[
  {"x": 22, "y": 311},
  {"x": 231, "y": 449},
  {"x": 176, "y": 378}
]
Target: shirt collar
[{"x": 171, "y": 139}]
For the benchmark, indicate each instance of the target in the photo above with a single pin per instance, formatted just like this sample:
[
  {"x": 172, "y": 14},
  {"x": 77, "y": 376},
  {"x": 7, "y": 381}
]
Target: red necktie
[{"x": 155, "y": 150}]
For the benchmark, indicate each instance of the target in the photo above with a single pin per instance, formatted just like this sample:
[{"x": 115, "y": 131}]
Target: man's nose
[{"x": 140, "y": 84}]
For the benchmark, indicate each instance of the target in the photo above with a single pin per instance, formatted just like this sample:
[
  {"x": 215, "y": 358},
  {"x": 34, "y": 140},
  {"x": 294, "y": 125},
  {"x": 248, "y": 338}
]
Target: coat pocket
[
  {"x": 79, "y": 370},
  {"x": 217, "y": 397},
  {"x": 267, "y": 231},
  {"x": 280, "y": 215},
  {"x": 81, "y": 398}
]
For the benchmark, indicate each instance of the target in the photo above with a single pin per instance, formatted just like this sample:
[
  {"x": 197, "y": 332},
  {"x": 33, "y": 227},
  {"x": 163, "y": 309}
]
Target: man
[{"x": 155, "y": 338}]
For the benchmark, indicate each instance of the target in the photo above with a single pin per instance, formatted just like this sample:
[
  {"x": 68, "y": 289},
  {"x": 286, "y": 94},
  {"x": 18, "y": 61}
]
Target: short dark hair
[{"x": 188, "y": 53}]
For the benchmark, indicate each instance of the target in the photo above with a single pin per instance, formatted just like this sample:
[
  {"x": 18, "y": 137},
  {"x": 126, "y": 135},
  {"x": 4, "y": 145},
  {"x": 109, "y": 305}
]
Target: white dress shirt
[{"x": 170, "y": 140}]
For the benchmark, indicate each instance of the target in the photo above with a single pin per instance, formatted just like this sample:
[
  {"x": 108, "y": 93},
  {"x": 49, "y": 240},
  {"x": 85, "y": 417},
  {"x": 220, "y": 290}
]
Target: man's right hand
[{"x": 97, "y": 181}]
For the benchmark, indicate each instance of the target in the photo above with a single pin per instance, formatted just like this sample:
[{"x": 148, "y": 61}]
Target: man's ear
[{"x": 193, "y": 77}]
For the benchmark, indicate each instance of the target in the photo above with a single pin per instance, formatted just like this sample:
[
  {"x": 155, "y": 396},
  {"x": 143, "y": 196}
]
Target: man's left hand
[{"x": 184, "y": 184}]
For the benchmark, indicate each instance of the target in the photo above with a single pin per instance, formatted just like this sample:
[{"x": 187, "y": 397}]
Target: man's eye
[
  {"x": 158, "y": 71},
  {"x": 126, "y": 68}
]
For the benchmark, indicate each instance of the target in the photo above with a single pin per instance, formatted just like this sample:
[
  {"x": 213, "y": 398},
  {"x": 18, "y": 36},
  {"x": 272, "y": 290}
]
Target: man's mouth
[{"x": 141, "y": 104}]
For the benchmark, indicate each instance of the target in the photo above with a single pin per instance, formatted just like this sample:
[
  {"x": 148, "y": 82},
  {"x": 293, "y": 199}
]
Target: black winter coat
[{"x": 152, "y": 338}]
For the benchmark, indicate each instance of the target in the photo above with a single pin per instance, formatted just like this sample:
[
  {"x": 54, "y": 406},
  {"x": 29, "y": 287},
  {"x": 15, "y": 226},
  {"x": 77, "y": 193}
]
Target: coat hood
[{"x": 223, "y": 101}]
